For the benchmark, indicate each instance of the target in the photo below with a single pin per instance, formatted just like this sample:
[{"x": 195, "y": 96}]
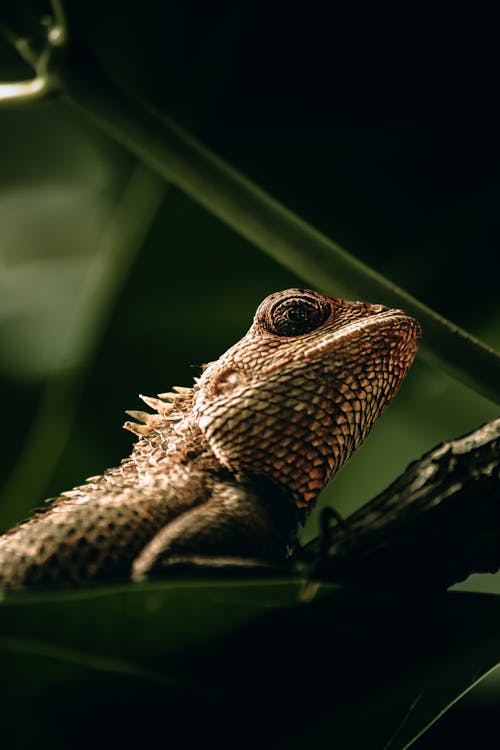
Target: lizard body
[{"x": 229, "y": 466}]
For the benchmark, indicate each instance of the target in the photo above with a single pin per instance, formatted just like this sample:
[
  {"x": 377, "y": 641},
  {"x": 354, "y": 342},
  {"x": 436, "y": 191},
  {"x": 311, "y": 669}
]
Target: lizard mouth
[{"x": 395, "y": 326}]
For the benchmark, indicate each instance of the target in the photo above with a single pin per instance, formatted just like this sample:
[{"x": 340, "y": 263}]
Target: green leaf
[{"x": 346, "y": 670}]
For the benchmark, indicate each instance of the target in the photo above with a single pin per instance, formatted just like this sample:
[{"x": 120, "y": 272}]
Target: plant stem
[{"x": 257, "y": 216}]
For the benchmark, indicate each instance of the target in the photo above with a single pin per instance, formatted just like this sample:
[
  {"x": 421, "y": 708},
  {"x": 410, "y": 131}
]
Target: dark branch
[{"x": 435, "y": 525}]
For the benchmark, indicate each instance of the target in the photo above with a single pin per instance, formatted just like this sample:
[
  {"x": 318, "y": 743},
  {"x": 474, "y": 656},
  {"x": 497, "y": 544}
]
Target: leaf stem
[
  {"x": 25, "y": 92},
  {"x": 262, "y": 220}
]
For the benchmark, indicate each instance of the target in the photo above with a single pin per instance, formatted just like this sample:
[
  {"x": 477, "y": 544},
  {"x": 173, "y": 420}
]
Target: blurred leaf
[
  {"x": 348, "y": 670},
  {"x": 66, "y": 245}
]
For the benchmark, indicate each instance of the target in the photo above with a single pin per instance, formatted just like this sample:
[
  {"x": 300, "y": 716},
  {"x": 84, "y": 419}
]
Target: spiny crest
[{"x": 168, "y": 406}]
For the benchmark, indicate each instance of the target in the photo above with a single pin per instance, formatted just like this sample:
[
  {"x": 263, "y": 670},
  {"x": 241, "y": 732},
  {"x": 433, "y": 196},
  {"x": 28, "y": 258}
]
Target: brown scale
[{"x": 221, "y": 468}]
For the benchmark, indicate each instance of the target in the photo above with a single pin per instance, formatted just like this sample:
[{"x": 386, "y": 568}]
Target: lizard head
[{"x": 300, "y": 391}]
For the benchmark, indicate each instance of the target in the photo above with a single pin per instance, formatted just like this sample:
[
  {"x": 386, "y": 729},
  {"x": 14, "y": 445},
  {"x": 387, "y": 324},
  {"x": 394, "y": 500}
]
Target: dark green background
[{"x": 379, "y": 130}]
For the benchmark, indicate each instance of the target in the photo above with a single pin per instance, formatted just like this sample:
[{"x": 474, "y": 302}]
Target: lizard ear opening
[{"x": 294, "y": 312}]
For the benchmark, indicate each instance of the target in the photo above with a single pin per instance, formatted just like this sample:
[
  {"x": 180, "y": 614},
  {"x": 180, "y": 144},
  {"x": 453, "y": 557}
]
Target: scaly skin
[{"x": 229, "y": 466}]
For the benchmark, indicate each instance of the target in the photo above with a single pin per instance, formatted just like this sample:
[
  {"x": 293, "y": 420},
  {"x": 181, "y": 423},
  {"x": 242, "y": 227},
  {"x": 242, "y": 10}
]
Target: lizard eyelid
[{"x": 297, "y": 314}]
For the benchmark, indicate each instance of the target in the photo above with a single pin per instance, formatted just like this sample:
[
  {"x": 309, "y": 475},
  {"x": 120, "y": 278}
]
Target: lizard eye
[{"x": 297, "y": 314}]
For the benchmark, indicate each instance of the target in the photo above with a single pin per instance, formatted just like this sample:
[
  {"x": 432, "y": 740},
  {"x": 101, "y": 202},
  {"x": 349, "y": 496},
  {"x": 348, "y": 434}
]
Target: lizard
[{"x": 233, "y": 464}]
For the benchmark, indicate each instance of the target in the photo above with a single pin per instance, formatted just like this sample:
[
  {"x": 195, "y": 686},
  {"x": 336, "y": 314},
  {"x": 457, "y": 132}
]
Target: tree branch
[{"x": 435, "y": 525}]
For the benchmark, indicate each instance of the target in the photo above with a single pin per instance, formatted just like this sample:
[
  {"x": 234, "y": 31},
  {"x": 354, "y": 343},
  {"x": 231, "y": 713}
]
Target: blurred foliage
[
  {"x": 392, "y": 155},
  {"x": 198, "y": 661}
]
